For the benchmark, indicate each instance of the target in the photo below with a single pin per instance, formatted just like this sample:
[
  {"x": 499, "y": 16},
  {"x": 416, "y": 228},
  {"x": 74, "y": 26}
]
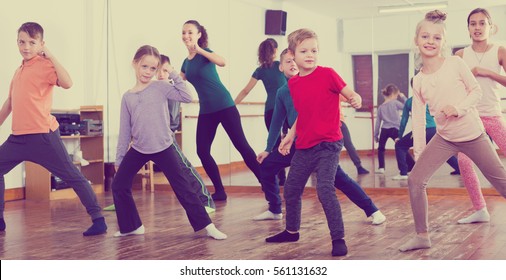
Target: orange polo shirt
[{"x": 31, "y": 95}]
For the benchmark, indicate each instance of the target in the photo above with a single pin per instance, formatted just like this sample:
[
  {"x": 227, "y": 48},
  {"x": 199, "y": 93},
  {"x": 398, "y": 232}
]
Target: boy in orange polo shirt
[{"x": 35, "y": 136}]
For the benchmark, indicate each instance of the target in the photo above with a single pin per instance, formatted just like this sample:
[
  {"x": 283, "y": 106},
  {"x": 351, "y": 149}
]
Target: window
[{"x": 362, "y": 80}]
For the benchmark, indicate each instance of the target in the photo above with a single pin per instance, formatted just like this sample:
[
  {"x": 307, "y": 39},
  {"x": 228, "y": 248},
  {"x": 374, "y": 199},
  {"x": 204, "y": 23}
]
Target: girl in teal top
[
  {"x": 269, "y": 73},
  {"x": 216, "y": 104}
]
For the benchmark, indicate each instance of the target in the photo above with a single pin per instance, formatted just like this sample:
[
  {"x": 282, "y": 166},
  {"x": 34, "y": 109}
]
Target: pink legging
[{"x": 496, "y": 128}]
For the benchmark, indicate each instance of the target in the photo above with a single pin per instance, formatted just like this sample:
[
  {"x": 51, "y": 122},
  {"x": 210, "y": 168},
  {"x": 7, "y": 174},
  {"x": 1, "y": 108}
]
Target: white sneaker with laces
[
  {"x": 268, "y": 215},
  {"x": 400, "y": 177},
  {"x": 378, "y": 218}
]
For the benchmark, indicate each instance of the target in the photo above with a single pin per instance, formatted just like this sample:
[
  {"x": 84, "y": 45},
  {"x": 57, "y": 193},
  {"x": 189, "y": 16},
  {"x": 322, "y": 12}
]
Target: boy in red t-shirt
[
  {"x": 315, "y": 93},
  {"x": 35, "y": 136}
]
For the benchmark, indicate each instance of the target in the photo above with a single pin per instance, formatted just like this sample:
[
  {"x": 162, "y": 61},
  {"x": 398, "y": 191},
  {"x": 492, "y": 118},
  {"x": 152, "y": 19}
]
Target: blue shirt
[
  {"x": 273, "y": 79},
  {"x": 429, "y": 120},
  {"x": 202, "y": 74},
  {"x": 283, "y": 109}
]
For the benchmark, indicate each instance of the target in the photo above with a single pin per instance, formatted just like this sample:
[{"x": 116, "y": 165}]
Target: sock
[
  {"x": 111, "y": 207},
  {"x": 339, "y": 248},
  {"x": 480, "y": 216},
  {"x": 415, "y": 243},
  {"x": 139, "y": 231},
  {"x": 284, "y": 236},
  {"x": 2, "y": 224},
  {"x": 268, "y": 215},
  {"x": 213, "y": 232},
  {"x": 378, "y": 218},
  {"x": 219, "y": 196},
  {"x": 98, "y": 227}
]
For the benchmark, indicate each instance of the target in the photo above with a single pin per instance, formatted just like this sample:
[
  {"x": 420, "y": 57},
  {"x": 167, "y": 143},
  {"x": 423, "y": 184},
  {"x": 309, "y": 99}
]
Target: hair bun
[{"x": 435, "y": 16}]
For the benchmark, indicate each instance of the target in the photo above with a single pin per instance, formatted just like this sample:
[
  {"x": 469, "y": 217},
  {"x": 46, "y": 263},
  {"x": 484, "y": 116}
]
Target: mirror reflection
[{"x": 369, "y": 50}]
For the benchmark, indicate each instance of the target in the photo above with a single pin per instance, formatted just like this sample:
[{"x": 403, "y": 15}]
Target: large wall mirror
[{"x": 96, "y": 40}]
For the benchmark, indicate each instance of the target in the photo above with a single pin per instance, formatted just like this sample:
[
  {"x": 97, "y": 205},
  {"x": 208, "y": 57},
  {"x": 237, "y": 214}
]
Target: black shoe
[
  {"x": 219, "y": 196},
  {"x": 284, "y": 236},
  {"x": 362, "y": 171},
  {"x": 98, "y": 227},
  {"x": 455, "y": 172},
  {"x": 339, "y": 248}
]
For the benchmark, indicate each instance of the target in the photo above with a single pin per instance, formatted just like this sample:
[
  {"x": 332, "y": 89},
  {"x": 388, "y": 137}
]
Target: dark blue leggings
[{"x": 206, "y": 131}]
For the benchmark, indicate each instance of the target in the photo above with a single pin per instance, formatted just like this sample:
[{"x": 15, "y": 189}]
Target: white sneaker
[
  {"x": 268, "y": 215},
  {"x": 378, "y": 218},
  {"x": 380, "y": 171},
  {"x": 400, "y": 177},
  {"x": 138, "y": 231}
]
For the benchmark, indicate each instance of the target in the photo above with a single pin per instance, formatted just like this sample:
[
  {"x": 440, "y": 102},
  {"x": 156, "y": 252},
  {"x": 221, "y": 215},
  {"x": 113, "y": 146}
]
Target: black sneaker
[
  {"x": 455, "y": 172},
  {"x": 362, "y": 171}
]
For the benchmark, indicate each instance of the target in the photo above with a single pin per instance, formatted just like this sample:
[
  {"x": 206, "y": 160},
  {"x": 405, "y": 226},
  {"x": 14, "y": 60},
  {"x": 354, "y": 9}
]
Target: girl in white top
[
  {"x": 451, "y": 92},
  {"x": 485, "y": 61}
]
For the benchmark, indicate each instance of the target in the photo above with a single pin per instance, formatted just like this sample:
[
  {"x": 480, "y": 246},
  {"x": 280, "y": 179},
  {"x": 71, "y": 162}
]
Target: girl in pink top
[
  {"x": 451, "y": 92},
  {"x": 485, "y": 61}
]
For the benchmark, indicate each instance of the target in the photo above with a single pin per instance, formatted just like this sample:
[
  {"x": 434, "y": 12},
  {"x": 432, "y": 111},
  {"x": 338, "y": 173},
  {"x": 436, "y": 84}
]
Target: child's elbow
[{"x": 66, "y": 84}]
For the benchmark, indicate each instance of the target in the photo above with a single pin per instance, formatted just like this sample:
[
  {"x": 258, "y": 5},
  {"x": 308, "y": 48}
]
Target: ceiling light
[{"x": 414, "y": 7}]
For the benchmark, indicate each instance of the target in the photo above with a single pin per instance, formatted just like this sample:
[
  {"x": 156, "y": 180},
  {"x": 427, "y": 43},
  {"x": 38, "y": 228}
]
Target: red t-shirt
[{"x": 316, "y": 99}]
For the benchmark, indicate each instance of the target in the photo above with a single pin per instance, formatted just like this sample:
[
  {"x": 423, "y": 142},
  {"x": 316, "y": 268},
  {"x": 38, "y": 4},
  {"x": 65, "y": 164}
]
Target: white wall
[{"x": 99, "y": 59}]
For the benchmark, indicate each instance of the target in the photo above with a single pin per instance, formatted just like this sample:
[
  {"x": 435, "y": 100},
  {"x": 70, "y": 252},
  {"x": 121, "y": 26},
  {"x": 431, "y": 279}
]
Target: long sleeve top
[
  {"x": 145, "y": 118},
  {"x": 452, "y": 84},
  {"x": 388, "y": 116},
  {"x": 283, "y": 109}
]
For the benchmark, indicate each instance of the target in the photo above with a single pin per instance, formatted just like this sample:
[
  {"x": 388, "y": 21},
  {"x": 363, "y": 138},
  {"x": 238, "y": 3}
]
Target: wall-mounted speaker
[{"x": 275, "y": 22}]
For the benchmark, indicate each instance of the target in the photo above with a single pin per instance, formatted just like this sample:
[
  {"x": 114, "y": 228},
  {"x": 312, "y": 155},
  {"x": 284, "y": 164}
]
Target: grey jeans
[
  {"x": 435, "y": 154},
  {"x": 324, "y": 159}
]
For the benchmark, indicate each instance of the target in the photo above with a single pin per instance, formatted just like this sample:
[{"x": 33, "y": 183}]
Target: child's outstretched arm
[
  {"x": 64, "y": 79},
  {"x": 5, "y": 111},
  {"x": 354, "y": 98}
]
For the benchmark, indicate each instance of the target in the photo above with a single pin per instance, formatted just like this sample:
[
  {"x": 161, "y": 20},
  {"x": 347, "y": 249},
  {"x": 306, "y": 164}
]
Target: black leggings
[{"x": 206, "y": 131}]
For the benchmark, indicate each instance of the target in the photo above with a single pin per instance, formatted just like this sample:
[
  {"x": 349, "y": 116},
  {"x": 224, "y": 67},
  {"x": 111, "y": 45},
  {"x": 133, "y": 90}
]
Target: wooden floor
[{"x": 53, "y": 230}]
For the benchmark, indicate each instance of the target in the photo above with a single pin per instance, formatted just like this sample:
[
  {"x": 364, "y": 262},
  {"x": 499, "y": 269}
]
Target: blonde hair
[
  {"x": 436, "y": 17},
  {"x": 299, "y": 35}
]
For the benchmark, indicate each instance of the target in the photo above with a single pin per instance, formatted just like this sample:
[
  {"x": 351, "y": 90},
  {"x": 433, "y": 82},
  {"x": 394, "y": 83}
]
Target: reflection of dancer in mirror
[
  {"x": 402, "y": 145},
  {"x": 216, "y": 105},
  {"x": 348, "y": 144},
  {"x": 451, "y": 91},
  {"x": 144, "y": 123},
  {"x": 315, "y": 93},
  {"x": 268, "y": 72},
  {"x": 35, "y": 135},
  {"x": 485, "y": 59},
  {"x": 271, "y": 160},
  {"x": 389, "y": 121},
  {"x": 175, "y": 124}
]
